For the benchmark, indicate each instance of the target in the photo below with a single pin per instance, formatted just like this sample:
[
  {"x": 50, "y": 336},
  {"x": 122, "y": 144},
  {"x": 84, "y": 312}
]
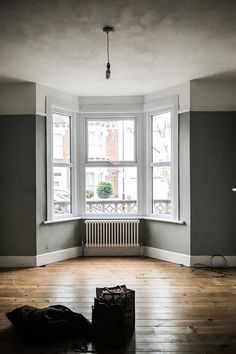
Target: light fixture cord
[{"x": 108, "y": 56}]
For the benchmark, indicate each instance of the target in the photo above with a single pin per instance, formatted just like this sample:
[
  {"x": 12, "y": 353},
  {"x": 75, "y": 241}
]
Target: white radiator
[{"x": 112, "y": 233}]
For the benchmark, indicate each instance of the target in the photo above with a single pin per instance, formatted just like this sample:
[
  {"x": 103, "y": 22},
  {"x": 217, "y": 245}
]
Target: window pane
[
  {"x": 62, "y": 190},
  {"x": 161, "y": 137},
  {"x": 61, "y": 138},
  {"x": 114, "y": 190},
  {"x": 111, "y": 140},
  {"x": 161, "y": 190}
]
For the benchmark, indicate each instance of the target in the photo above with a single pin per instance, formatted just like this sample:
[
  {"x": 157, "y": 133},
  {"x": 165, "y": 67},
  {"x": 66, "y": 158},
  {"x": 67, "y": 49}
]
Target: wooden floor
[{"x": 176, "y": 311}]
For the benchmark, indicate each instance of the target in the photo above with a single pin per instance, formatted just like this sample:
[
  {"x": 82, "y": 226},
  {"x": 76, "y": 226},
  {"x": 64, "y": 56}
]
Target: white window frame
[
  {"x": 142, "y": 160},
  {"x": 155, "y": 108},
  {"x": 84, "y": 161},
  {"x": 55, "y": 106}
]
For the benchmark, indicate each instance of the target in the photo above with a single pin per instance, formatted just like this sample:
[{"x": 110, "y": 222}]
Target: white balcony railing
[{"x": 160, "y": 206}]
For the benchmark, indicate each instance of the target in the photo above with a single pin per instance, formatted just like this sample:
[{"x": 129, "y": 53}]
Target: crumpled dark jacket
[{"x": 50, "y": 323}]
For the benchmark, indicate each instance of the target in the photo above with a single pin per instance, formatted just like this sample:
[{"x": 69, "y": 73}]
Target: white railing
[{"x": 160, "y": 206}]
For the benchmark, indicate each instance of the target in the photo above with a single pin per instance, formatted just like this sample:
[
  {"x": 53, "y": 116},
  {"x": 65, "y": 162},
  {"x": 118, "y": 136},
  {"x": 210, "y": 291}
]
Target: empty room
[{"x": 118, "y": 176}]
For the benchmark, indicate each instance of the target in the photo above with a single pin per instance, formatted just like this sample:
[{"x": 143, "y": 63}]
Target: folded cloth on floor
[{"x": 50, "y": 323}]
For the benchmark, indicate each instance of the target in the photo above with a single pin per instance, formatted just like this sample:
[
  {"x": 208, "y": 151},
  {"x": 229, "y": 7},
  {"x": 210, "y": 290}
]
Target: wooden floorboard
[{"x": 177, "y": 311}]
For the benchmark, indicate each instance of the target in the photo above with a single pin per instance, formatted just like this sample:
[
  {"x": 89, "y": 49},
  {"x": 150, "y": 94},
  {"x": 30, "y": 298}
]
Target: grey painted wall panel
[
  {"x": 52, "y": 237},
  {"x": 234, "y": 180},
  {"x": 17, "y": 180},
  {"x": 212, "y": 136},
  {"x": 174, "y": 237},
  {"x": 207, "y": 139}
]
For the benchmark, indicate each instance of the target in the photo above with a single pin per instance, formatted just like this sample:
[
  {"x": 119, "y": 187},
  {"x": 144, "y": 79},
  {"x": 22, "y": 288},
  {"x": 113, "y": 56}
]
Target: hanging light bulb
[
  {"x": 108, "y": 29},
  {"x": 108, "y": 71}
]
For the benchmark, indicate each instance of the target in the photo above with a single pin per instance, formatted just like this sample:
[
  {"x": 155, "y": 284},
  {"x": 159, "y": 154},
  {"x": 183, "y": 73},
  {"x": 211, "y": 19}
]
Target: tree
[
  {"x": 104, "y": 189},
  {"x": 89, "y": 193}
]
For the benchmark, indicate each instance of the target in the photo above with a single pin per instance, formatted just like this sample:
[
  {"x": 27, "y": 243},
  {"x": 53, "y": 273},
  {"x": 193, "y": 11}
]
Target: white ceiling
[{"x": 156, "y": 43}]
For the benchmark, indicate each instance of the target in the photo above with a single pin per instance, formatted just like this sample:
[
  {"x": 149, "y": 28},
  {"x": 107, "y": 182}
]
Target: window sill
[
  {"x": 170, "y": 221},
  {"x": 47, "y": 222}
]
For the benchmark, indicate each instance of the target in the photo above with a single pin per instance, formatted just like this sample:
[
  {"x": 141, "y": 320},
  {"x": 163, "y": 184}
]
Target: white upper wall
[
  {"x": 196, "y": 95},
  {"x": 111, "y": 104},
  {"x": 62, "y": 98},
  {"x": 182, "y": 91}
]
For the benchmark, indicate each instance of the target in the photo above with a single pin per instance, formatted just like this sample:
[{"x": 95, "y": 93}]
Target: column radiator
[{"x": 112, "y": 233}]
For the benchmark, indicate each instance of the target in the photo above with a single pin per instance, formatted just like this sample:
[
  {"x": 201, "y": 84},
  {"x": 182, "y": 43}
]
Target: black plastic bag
[
  {"x": 108, "y": 324},
  {"x": 124, "y": 298}
]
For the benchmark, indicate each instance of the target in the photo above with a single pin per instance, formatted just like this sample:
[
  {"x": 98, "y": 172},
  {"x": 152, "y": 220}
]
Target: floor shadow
[{"x": 10, "y": 342}]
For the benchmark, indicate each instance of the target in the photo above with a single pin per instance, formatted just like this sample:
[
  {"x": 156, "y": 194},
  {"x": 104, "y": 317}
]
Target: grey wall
[
  {"x": 174, "y": 237},
  {"x": 18, "y": 186},
  {"x": 52, "y": 237},
  {"x": 207, "y": 148},
  {"x": 234, "y": 185},
  {"x": 213, "y": 148}
]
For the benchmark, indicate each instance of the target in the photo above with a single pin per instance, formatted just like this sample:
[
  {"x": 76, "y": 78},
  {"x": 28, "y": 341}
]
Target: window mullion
[
  {"x": 63, "y": 164},
  {"x": 168, "y": 163},
  {"x": 73, "y": 164},
  {"x": 49, "y": 161},
  {"x": 175, "y": 161},
  {"x": 115, "y": 164},
  {"x": 81, "y": 153}
]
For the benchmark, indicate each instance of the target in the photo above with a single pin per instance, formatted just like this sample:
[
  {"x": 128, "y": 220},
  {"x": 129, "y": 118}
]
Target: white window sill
[
  {"x": 170, "y": 221},
  {"x": 61, "y": 220}
]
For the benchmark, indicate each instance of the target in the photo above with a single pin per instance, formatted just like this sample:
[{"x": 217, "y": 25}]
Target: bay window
[{"x": 118, "y": 164}]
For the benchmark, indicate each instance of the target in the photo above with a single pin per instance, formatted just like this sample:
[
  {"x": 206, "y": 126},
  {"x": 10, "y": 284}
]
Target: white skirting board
[
  {"x": 41, "y": 259},
  {"x": 168, "y": 256},
  {"x": 57, "y": 256},
  {"x": 185, "y": 259},
  {"x": 152, "y": 252},
  {"x": 68, "y": 253},
  {"x": 112, "y": 251}
]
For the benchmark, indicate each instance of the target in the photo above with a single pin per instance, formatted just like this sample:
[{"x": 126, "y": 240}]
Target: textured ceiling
[{"x": 156, "y": 43}]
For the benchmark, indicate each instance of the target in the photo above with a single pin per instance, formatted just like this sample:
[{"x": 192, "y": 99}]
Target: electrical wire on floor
[{"x": 213, "y": 270}]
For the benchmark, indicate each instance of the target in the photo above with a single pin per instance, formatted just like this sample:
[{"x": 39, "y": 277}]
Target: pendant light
[{"x": 108, "y": 29}]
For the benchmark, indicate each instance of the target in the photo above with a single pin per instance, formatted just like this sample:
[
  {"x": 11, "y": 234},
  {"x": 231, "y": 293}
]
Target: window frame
[
  {"x": 61, "y": 108},
  {"x": 160, "y": 107},
  {"x": 110, "y": 162},
  {"x": 142, "y": 159},
  {"x": 84, "y": 161}
]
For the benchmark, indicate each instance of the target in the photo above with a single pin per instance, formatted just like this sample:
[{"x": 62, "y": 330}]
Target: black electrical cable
[{"x": 216, "y": 270}]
